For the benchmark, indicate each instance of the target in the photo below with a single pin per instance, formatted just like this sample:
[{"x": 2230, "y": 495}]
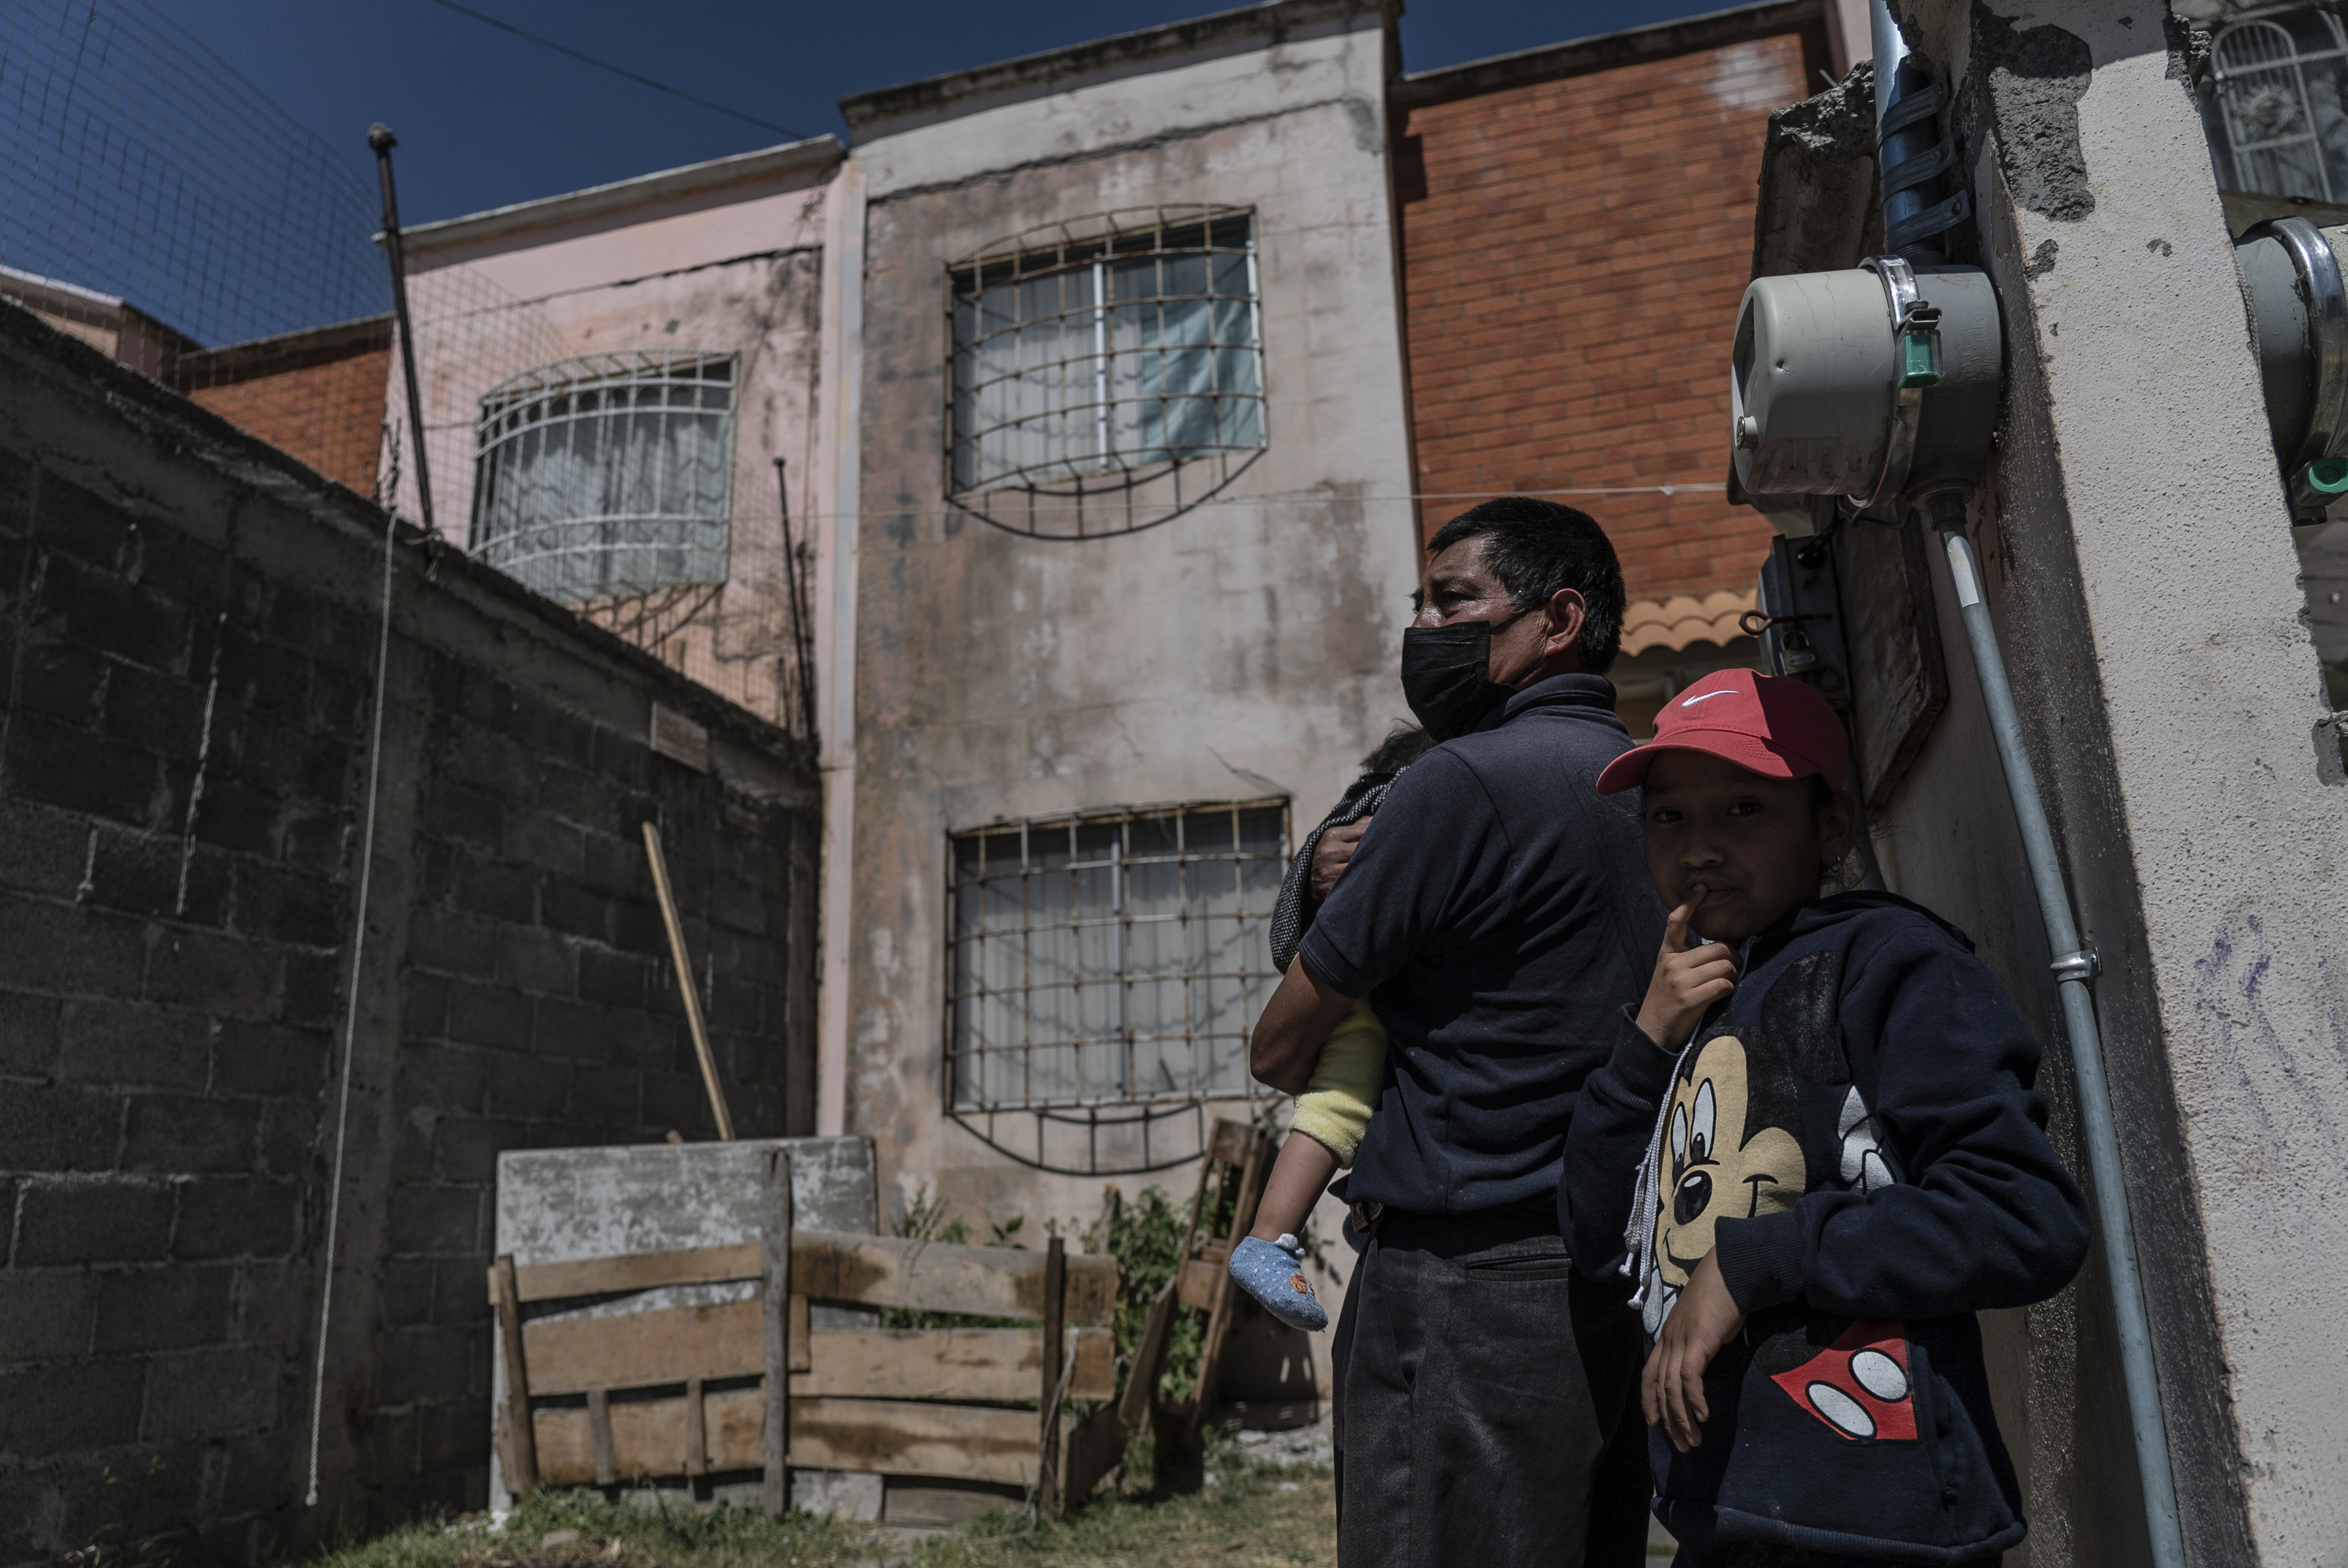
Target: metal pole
[
  {"x": 2074, "y": 967},
  {"x": 379, "y": 137}
]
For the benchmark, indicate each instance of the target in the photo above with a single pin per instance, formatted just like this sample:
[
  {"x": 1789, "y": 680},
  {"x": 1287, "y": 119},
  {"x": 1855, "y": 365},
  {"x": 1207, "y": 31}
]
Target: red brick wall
[
  {"x": 1573, "y": 252},
  {"x": 328, "y": 415}
]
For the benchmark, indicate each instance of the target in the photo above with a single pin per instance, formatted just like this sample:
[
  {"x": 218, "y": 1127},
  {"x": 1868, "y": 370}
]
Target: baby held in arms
[{"x": 1335, "y": 1108}]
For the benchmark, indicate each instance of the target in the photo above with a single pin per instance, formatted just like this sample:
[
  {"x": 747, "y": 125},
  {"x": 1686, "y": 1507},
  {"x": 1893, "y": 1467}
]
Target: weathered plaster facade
[
  {"x": 725, "y": 256},
  {"x": 1245, "y": 649},
  {"x": 2141, "y": 566}
]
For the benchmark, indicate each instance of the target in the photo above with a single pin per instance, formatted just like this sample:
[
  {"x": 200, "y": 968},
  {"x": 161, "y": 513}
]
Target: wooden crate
[{"x": 891, "y": 1401}]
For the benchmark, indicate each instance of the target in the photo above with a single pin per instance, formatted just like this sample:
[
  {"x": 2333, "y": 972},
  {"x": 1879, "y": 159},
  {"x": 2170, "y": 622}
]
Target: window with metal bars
[
  {"x": 1110, "y": 957},
  {"x": 608, "y": 475},
  {"x": 2280, "y": 92},
  {"x": 1126, "y": 344}
]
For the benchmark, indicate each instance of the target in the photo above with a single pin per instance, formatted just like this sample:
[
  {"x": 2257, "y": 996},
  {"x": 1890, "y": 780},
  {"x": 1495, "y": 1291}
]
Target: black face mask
[{"x": 1446, "y": 675}]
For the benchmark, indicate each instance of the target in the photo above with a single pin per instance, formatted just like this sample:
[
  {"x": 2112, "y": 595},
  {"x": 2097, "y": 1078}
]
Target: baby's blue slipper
[{"x": 1273, "y": 1272}]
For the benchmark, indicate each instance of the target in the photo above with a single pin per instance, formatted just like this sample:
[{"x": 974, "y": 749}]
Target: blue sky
[{"x": 485, "y": 118}]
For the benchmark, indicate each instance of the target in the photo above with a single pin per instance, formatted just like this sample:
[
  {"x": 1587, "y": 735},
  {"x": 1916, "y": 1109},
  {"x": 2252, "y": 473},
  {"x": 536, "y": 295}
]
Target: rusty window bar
[{"x": 1110, "y": 957}]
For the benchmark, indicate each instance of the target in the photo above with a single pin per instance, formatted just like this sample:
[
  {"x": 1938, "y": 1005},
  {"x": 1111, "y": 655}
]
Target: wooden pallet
[
  {"x": 869, "y": 1400},
  {"x": 1202, "y": 1283}
]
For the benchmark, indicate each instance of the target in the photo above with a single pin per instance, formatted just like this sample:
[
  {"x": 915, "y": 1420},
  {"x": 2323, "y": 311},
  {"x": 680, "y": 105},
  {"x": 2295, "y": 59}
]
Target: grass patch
[
  {"x": 580, "y": 1529},
  {"x": 1248, "y": 1525},
  {"x": 1220, "y": 1508}
]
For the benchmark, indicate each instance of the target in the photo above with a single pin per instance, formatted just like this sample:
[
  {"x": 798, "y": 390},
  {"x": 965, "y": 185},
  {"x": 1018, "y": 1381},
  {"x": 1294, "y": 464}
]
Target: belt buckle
[{"x": 1366, "y": 1214}]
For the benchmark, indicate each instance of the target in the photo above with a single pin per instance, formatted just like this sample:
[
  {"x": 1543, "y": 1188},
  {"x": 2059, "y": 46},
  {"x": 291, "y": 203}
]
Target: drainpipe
[{"x": 2075, "y": 965}]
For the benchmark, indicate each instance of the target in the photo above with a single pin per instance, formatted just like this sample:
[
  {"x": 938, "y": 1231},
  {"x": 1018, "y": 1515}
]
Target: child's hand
[
  {"x": 1672, "y": 1390},
  {"x": 1687, "y": 980}
]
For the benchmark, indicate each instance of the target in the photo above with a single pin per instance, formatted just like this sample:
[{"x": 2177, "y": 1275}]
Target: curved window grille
[
  {"x": 1112, "y": 957},
  {"x": 608, "y": 475},
  {"x": 1109, "y": 349},
  {"x": 2279, "y": 85}
]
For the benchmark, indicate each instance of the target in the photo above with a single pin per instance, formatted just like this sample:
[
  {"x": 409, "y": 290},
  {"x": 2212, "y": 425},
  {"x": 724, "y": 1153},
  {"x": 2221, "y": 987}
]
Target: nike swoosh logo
[{"x": 1725, "y": 691}]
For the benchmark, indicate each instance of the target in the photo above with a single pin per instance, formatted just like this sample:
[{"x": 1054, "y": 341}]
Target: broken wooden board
[
  {"x": 677, "y": 1344},
  {"x": 859, "y": 1270},
  {"x": 1095, "y": 1447},
  {"x": 648, "y": 1437}
]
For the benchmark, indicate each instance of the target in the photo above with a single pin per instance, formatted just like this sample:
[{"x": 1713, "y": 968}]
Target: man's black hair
[{"x": 1536, "y": 548}]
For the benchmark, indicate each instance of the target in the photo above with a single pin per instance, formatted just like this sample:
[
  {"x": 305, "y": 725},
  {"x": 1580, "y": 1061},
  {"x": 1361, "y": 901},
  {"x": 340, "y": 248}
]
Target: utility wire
[{"x": 619, "y": 71}]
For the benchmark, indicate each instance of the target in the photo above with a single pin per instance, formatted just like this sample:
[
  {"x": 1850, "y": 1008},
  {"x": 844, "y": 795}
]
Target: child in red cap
[{"x": 1820, "y": 1123}]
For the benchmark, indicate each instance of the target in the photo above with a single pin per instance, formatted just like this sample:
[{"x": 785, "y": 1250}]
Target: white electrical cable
[{"x": 351, "y": 1010}]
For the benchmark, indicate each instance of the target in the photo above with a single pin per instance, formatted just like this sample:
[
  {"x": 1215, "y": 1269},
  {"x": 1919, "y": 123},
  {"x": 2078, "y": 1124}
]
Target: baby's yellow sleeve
[{"x": 1334, "y": 1110}]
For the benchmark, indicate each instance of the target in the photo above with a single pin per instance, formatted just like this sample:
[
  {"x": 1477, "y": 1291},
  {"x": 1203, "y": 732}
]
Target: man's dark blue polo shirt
[{"x": 1498, "y": 914}]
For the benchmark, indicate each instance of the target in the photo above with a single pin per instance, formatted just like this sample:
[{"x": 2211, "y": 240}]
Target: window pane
[
  {"x": 1112, "y": 958},
  {"x": 1052, "y": 383},
  {"x": 610, "y": 475}
]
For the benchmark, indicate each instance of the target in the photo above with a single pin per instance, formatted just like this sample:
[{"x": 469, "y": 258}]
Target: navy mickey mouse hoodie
[{"x": 1855, "y": 1131}]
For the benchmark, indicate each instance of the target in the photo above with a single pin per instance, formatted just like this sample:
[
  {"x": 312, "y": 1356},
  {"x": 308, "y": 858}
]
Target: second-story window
[
  {"x": 2277, "y": 85},
  {"x": 1128, "y": 345},
  {"x": 608, "y": 475}
]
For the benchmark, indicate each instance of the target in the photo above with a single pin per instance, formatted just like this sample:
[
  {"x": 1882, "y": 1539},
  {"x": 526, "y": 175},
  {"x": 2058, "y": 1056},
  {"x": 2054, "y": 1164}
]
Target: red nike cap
[{"x": 1773, "y": 725}]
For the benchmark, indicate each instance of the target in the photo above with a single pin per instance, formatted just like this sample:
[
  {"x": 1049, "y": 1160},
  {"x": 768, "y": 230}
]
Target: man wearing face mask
[{"x": 1498, "y": 915}]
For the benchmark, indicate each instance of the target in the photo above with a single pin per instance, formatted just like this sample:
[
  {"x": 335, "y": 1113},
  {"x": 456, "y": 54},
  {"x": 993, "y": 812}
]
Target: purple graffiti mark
[
  {"x": 2226, "y": 987},
  {"x": 2220, "y": 1027}
]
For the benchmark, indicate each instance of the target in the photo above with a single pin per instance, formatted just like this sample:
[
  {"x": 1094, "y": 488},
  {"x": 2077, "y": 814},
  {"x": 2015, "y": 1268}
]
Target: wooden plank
[
  {"x": 678, "y": 1344},
  {"x": 598, "y": 1428},
  {"x": 1199, "y": 1282},
  {"x": 1219, "y": 1322},
  {"x": 985, "y": 1281},
  {"x": 961, "y": 1441},
  {"x": 948, "y": 1364},
  {"x": 1148, "y": 1362},
  {"x": 1094, "y": 1447},
  {"x": 799, "y": 1334},
  {"x": 1229, "y": 1146},
  {"x": 775, "y": 1302},
  {"x": 520, "y": 1452},
  {"x": 857, "y": 1270},
  {"x": 648, "y": 1438},
  {"x": 637, "y": 1270},
  {"x": 671, "y": 1345},
  {"x": 1047, "y": 1484},
  {"x": 696, "y": 1430}
]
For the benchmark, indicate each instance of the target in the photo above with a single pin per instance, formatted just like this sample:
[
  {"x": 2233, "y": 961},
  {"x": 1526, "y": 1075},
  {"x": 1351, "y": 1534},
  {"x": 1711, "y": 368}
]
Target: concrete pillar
[{"x": 2141, "y": 567}]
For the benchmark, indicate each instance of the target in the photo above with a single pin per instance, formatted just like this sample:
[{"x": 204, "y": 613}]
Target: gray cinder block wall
[{"x": 188, "y": 639}]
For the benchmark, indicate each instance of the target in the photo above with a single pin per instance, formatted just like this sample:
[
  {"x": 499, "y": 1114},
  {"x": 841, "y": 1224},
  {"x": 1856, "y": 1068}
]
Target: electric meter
[
  {"x": 1874, "y": 384},
  {"x": 2290, "y": 272}
]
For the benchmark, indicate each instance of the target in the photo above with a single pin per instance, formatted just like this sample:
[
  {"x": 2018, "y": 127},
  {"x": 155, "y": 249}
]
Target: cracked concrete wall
[
  {"x": 189, "y": 627},
  {"x": 2139, "y": 565},
  {"x": 1244, "y": 649}
]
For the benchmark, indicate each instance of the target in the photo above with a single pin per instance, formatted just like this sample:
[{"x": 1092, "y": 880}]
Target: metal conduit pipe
[
  {"x": 1897, "y": 81},
  {"x": 2074, "y": 965}
]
